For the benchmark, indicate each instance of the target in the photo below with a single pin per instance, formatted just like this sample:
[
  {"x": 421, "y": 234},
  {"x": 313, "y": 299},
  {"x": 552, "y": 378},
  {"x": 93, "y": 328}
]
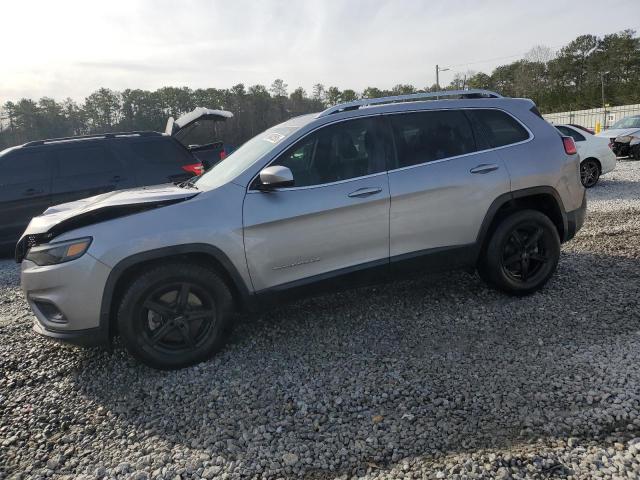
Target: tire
[
  {"x": 522, "y": 253},
  {"x": 589, "y": 172},
  {"x": 174, "y": 315}
]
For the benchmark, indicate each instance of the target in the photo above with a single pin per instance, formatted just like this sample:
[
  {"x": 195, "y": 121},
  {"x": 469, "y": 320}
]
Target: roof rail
[
  {"x": 96, "y": 136},
  {"x": 365, "y": 102}
]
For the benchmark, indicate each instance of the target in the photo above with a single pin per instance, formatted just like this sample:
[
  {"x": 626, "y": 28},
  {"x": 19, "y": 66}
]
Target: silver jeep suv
[{"x": 355, "y": 194}]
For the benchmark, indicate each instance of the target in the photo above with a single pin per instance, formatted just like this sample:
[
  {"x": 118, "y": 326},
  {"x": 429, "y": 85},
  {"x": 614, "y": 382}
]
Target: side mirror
[{"x": 275, "y": 176}]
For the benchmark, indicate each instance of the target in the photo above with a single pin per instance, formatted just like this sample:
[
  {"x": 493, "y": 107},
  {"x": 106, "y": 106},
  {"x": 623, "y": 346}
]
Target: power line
[{"x": 495, "y": 59}]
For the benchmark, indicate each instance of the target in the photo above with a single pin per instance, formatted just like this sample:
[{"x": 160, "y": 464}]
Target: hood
[
  {"x": 184, "y": 122},
  {"x": 616, "y": 132},
  {"x": 69, "y": 216}
]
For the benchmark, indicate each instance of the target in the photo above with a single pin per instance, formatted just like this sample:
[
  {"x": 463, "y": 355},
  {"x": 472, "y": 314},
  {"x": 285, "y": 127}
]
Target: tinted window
[
  {"x": 163, "y": 152},
  {"x": 338, "y": 152},
  {"x": 84, "y": 160},
  {"x": 499, "y": 127},
  {"x": 427, "y": 136},
  {"x": 569, "y": 132},
  {"x": 24, "y": 167},
  {"x": 628, "y": 122}
]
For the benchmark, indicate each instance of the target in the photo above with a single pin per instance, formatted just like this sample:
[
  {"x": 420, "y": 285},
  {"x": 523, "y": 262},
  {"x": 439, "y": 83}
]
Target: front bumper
[
  {"x": 92, "y": 337},
  {"x": 575, "y": 219},
  {"x": 621, "y": 149},
  {"x": 66, "y": 299}
]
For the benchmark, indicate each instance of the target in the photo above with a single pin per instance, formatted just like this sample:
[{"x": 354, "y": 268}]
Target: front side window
[
  {"x": 342, "y": 151},
  {"x": 433, "y": 135},
  {"x": 499, "y": 127},
  {"x": 23, "y": 167}
]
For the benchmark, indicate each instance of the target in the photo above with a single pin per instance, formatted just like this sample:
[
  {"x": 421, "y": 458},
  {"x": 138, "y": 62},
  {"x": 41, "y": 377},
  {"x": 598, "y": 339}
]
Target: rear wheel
[
  {"x": 174, "y": 315},
  {"x": 522, "y": 253},
  {"x": 589, "y": 172}
]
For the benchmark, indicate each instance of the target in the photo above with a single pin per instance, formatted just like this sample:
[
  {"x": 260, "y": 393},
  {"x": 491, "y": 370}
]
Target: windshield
[
  {"x": 629, "y": 122},
  {"x": 245, "y": 156}
]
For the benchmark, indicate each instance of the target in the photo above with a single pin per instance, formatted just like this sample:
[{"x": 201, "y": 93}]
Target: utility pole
[
  {"x": 604, "y": 105},
  {"x": 438, "y": 70}
]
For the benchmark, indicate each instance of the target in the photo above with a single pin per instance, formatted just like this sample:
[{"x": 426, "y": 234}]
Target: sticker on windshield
[{"x": 274, "y": 137}]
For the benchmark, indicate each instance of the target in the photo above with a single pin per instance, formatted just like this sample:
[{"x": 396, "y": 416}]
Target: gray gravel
[{"x": 427, "y": 378}]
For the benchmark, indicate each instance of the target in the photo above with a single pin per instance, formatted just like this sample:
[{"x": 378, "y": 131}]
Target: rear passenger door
[
  {"x": 443, "y": 181},
  {"x": 86, "y": 170},
  {"x": 25, "y": 190}
]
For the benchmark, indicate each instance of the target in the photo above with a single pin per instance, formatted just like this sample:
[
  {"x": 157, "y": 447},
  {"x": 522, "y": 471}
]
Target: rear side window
[
  {"x": 427, "y": 136},
  {"x": 160, "y": 152},
  {"x": 24, "y": 167},
  {"x": 86, "y": 160},
  {"x": 499, "y": 127},
  {"x": 570, "y": 132}
]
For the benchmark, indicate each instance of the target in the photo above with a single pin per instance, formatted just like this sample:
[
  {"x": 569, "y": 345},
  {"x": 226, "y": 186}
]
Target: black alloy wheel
[
  {"x": 521, "y": 254},
  {"x": 589, "y": 173},
  {"x": 175, "y": 315},
  {"x": 177, "y": 318}
]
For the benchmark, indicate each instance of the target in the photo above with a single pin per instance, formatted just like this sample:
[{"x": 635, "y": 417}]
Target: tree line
[{"x": 569, "y": 79}]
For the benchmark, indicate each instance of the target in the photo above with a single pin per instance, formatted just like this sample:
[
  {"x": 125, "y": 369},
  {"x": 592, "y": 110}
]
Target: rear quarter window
[
  {"x": 499, "y": 127},
  {"x": 161, "y": 151}
]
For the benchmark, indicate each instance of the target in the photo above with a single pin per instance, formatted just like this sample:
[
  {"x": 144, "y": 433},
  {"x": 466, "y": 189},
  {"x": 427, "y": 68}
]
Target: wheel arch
[
  {"x": 596, "y": 159},
  {"x": 201, "y": 254},
  {"x": 543, "y": 199}
]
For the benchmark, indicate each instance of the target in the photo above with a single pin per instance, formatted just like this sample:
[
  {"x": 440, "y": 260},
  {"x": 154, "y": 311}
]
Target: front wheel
[
  {"x": 522, "y": 253},
  {"x": 174, "y": 315},
  {"x": 589, "y": 173}
]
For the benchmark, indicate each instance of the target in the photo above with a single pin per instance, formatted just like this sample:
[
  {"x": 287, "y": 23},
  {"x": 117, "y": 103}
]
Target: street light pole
[{"x": 438, "y": 70}]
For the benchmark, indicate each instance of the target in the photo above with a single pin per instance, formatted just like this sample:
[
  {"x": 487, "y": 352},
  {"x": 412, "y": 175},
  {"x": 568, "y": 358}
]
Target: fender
[
  {"x": 123, "y": 265},
  {"x": 516, "y": 194}
]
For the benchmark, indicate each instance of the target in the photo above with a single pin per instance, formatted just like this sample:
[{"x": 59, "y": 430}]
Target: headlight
[
  {"x": 53, "y": 253},
  {"x": 623, "y": 139}
]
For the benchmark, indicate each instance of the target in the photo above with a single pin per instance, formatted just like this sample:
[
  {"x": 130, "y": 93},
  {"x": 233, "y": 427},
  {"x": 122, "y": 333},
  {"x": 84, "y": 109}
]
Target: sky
[{"x": 69, "y": 48}]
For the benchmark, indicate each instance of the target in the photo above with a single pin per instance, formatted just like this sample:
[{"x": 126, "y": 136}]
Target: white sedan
[{"x": 596, "y": 157}]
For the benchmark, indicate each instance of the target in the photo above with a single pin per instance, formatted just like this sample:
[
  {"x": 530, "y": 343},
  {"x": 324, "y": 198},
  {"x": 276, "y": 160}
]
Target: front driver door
[{"x": 334, "y": 220}]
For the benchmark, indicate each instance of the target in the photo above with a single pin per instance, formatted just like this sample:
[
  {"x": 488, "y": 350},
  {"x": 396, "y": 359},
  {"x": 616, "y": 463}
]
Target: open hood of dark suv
[{"x": 180, "y": 127}]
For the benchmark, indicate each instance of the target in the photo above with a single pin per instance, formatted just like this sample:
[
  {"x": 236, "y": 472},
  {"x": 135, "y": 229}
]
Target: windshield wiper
[{"x": 191, "y": 183}]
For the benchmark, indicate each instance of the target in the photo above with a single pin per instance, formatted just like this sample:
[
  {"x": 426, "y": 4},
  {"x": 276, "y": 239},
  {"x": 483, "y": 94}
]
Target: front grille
[{"x": 29, "y": 241}]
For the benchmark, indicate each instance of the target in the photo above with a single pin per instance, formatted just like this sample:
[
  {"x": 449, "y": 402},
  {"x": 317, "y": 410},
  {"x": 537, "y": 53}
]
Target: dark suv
[
  {"x": 42, "y": 173},
  {"x": 39, "y": 174}
]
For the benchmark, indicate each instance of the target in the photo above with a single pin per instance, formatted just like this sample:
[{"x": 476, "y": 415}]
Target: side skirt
[{"x": 431, "y": 261}]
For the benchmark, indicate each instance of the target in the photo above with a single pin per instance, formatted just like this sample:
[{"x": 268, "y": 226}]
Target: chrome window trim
[
  {"x": 531, "y": 138},
  {"x": 320, "y": 185}
]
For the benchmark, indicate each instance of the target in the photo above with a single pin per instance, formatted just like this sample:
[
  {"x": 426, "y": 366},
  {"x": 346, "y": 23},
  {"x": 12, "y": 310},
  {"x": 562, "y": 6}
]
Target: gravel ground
[{"x": 427, "y": 378}]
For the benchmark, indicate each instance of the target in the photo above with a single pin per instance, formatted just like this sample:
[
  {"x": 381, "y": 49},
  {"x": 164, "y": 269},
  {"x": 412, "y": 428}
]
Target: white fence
[{"x": 589, "y": 118}]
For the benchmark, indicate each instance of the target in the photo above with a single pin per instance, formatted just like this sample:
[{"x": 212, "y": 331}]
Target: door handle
[
  {"x": 365, "y": 192},
  {"x": 116, "y": 178},
  {"x": 484, "y": 168},
  {"x": 32, "y": 191}
]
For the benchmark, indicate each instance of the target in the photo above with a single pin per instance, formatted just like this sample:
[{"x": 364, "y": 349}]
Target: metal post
[
  {"x": 604, "y": 107},
  {"x": 437, "y": 77}
]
